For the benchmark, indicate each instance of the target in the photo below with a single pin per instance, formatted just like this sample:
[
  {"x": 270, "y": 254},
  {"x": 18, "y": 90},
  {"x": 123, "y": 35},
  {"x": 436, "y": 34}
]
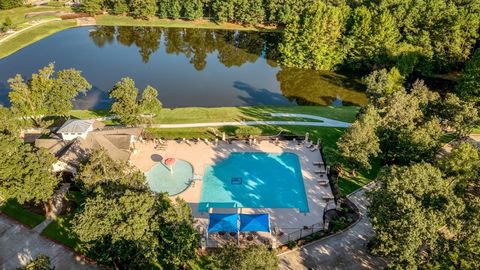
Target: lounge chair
[
  {"x": 313, "y": 149},
  {"x": 323, "y": 182},
  {"x": 320, "y": 171},
  {"x": 327, "y": 198},
  {"x": 319, "y": 163}
]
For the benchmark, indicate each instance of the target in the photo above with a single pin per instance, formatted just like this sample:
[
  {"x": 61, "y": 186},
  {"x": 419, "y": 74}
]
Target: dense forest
[{"x": 426, "y": 37}]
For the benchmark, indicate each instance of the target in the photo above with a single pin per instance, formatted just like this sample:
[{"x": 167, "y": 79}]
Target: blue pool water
[
  {"x": 254, "y": 180},
  {"x": 160, "y": 179}
]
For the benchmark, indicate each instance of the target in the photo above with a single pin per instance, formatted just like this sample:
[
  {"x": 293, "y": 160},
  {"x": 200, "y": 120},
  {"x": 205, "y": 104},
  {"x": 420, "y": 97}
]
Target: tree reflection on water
[{"x": 234, "y": 49}]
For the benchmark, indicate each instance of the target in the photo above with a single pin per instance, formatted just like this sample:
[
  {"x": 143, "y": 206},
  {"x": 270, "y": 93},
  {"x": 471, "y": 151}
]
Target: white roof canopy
[{"x": 76, "y": 126}]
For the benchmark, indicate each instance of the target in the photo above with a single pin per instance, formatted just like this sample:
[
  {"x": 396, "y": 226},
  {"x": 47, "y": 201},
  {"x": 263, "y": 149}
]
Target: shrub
[
  {"x": 291, "y": 244},
  {"x": 56, "y": 4},
  {"x": 74, "y": 16},
  {"x": 247, "y": 131},
  {"x": 9, "y": 4}
]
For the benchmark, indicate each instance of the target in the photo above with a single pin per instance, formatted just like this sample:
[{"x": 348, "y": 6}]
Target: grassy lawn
[
  {"x": 18, "y": 14},
  {"x": 113, "y": 20},
  {"x": 476, "y": 130},
  {"x": 224, "y": 114},
  {"x": 33, "y": 35},
  {"x": 60, "y": 229},
  {"x": 14, "y": 210}
]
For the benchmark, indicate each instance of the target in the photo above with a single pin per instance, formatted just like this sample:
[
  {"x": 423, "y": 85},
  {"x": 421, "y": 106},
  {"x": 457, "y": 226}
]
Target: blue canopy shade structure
[
  {"x": 254, "y": 223},
  {"x": 223, "y": 223}
]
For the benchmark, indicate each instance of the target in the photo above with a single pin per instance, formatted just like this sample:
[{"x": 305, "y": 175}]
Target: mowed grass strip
[
  {"x": 60, "y": 230},
  {"x": 114, "y": 20},
  {"x": 18, "y": 15},
  {"x": 228, "y": 114},
  {"x": 15, "y": 210},
  {"x": 33, "y": 35}
]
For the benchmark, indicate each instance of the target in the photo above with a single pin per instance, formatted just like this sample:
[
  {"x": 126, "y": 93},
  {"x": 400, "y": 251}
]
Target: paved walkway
[
  {"x": 57, "y": 207},
  {"x": 325, "y": 122},
  {"x": 28, "y": 27},
  {"x": 18, "y": 245},
  {"x": 343, "y": 251}
]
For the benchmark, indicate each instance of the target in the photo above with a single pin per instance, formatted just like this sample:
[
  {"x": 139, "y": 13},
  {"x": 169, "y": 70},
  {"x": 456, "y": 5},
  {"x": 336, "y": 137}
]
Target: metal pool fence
[{"x": 296, "y": 234}]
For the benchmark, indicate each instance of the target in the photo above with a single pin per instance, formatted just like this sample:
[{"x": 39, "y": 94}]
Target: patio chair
[{"x": 323, "y": 182}]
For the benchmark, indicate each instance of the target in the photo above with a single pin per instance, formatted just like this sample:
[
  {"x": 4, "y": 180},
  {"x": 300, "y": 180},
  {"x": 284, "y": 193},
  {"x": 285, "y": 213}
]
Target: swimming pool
[
  {"x": 254, "y": 180},
  {"x": 161, "y": 179}
]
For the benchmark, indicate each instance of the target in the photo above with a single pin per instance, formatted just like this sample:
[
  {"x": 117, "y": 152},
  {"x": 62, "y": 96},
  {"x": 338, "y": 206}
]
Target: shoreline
[{"x": 26, "y": 37}]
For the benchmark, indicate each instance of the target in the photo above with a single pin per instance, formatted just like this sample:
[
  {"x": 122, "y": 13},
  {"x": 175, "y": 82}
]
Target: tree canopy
[
  {"x": 252, "y": 257},
  {"x": 41, "y": 262},
  {"x": 468, "y": 86},
  {"x": 46, "y": 92},
  {"x": 407, "y": 210},
  {"x": 25, "y": 173},
  {"x": 127, "y": 108},
  {"x": 122, "y": 223}
]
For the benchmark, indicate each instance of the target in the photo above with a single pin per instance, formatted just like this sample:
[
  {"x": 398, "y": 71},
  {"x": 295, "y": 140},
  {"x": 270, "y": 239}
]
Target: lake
[{"x": 188, "y": 67}]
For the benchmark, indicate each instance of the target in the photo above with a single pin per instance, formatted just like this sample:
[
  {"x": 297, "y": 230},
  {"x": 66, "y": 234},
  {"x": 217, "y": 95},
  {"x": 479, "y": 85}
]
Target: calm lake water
[{"x": 188, "y": 67}]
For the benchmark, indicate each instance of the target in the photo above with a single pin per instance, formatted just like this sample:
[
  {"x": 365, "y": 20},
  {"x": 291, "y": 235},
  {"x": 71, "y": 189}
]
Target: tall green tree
[
  {"x": 381, "y": 84},
  {"x": 120, "y": 230},
  {"x": 9, "y": 123},
  {"x": 119, "y": 7},
  {"x": 463, "y": 163},
  {"x": 468, "y": 87},
  {"x": 461, "y": 116},
  {"x": 143, "y": 9},
  {"x": 102, "y": 174},
  {"x": 360, "y": 143},
  {"x": 9, "y": 4},
  {"x": 372, "y": 37},
  {"x": 125, "y": 105},
  {"x": 407, "y": 210},
  {"x": 41, "y": 262},
  {"x": 170, "y": 9},
  {"x": 224, "y": 11},
  {"x": 92, "y": 7},
  {"x": 127, "y": 108},
  {"x": 193, "y": 9},
  {"x": 251, "y": 257},
  {"x": 149, "y": 103},
  {"x": 26, "y": 174},
  {"x": 315, "y": 40},
  {"x": 249, "y": 11},
  {"x": 46, "y": 93}
]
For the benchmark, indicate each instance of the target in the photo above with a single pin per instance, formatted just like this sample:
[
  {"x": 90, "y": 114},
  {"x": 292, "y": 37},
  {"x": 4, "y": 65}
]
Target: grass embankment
[
  {"x": 60, "y": 229},
  {"x": 15, "y": 210},
  {"x": 226, "y": 114},
  {"x": 114, "y": 20},
  {"x": 34, "y": 34}
]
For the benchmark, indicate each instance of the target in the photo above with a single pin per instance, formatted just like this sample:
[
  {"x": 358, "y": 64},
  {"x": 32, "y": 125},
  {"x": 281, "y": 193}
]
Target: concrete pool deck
[{"x": 202, "y": 155}]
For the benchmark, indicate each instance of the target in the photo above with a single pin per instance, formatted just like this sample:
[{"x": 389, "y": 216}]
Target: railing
[{"x": 297, "y": 233}]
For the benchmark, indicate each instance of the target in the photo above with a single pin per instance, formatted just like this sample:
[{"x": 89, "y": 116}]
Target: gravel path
[{"x": 344, "y": 251}]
